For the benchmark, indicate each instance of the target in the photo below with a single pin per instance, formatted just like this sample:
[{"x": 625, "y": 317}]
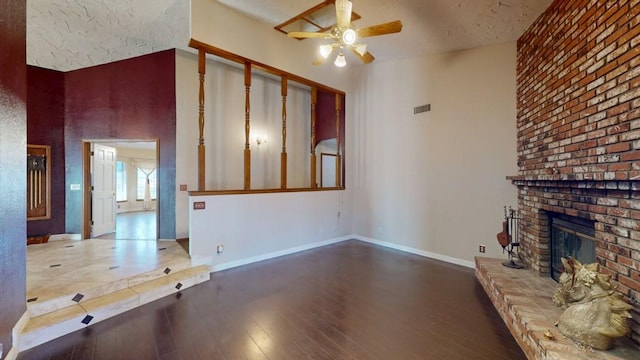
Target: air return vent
[{"x": 421, "y": 109}]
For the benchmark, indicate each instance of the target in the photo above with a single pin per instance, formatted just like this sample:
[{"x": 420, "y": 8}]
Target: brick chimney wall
[{"x": 578, "y": 93}]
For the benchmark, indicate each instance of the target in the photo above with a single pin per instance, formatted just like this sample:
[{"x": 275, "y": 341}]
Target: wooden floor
[
  {"x": 135, "y": 225},
  {"x": 350, "y": 300}
]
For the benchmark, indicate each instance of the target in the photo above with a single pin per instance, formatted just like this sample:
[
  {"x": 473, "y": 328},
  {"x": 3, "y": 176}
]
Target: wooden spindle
[
  {"x": 338, "y": 156},
  {"x": 247, "y": 125},
  {"x": 314, "y": 101},
  {"x": 283, "y": 155},
  {"x": 202, "y": 65}
]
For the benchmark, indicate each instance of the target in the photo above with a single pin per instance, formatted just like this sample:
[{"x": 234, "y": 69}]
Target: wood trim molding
[
  {"x": 259, "y": 191},
  {"x": 210, "y": 49}
]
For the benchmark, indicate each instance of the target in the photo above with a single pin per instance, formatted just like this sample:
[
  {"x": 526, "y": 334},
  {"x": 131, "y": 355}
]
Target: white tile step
[{"x": 54, "y": 324}]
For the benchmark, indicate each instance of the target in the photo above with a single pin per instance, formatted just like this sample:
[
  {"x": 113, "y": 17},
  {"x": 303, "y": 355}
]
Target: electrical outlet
[
  {"x": 220, "y": 249},
  {"x": 183, "y": 187},
  {"x": 482, "y": 249}
]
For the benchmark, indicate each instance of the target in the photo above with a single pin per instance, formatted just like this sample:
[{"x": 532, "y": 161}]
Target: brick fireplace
[{"x": 578, "y": 101}]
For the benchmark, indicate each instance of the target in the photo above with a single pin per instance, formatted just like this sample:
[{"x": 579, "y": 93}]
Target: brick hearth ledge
[{"x": 523, "y": 300}]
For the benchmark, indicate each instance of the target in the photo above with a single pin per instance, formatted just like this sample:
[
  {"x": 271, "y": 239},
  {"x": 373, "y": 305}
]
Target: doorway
[{"x": 120, "y": 194}]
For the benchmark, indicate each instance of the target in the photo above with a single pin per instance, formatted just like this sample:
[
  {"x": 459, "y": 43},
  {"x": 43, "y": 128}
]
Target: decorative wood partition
[{"x": 285, "y": 78}]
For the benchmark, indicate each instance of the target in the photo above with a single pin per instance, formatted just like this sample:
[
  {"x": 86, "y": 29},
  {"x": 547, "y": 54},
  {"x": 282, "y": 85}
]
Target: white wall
[
  {"x": 255, "y": 227},
  {"x": 435, "y": 182}
]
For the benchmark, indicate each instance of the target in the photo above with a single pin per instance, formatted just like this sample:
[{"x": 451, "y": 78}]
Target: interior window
[{"x": 141, "y": 183}]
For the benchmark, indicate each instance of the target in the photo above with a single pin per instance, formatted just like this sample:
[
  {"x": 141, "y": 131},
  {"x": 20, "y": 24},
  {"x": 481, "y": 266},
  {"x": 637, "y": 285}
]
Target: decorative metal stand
[{"x": 512, "y": 218}]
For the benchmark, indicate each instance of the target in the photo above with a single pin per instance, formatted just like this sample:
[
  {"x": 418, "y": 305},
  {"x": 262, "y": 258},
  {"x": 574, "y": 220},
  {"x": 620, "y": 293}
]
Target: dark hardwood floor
[{"x": 350, "y": 300}]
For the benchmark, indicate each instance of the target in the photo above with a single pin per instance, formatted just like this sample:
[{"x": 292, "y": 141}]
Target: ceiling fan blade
[
  {"x": 367, "y": 58},
  {"x": 343, "y": 14},
  {"x": 381, "y": 29},
  {"x": 303, "y": 35}
]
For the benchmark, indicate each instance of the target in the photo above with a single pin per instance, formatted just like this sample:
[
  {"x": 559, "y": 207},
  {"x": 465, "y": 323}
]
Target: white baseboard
[
  {"x": 275, "y": 254},
  {"x": 57, "y": 237},
  {"x": 166, "y": 239},
  {"x": 445, "y": 258}
]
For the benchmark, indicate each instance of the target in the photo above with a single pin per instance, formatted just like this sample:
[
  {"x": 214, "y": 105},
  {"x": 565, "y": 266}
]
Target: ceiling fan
[{"x": 345, "y": 36}]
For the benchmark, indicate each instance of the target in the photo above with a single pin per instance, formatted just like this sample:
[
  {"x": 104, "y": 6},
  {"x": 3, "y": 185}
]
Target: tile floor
[{"x": 60, "y": 268}]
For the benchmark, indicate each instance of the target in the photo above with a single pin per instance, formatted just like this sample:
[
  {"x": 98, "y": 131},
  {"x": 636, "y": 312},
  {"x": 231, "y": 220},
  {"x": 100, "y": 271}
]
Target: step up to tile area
[{"x": 62, "y": 315}]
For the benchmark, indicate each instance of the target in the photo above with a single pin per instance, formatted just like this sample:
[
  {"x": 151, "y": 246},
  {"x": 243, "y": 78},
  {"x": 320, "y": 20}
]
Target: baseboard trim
[
  {"x": 57, "y": 237},
  {"x": 275, "y": 254},
  {"x": 407, "y": 249}
]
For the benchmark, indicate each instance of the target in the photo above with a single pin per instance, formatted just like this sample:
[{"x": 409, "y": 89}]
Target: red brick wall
[{"x": 578, "y": 92}]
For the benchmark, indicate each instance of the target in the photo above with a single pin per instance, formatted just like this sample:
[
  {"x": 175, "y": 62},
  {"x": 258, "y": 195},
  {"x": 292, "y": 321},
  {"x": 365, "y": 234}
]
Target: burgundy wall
[
  {"x": 45, "y": 126},
  {"x": 129, "y": 99},
  {"x": 13, "y": 122},
  {"x": 326, "y": 122}
]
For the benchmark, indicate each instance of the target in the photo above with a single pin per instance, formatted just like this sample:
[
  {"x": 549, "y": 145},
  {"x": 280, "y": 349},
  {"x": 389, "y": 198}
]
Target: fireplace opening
[{"x": 571, "y": 236}]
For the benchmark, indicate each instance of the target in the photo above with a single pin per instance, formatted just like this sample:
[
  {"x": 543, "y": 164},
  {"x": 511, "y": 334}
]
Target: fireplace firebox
[{"x": 571, "y": 237}]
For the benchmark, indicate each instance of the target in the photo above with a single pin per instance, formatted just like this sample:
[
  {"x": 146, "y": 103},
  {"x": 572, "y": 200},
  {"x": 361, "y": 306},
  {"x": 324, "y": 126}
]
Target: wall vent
[{"x": 421, "y": 109}]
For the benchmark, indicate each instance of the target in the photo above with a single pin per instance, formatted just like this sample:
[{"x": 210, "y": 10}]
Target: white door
[{"x": 103, "y": 195}]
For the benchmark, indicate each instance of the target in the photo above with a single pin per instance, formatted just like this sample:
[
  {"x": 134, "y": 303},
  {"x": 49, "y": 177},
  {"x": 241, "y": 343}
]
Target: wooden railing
[{"x": 285, "y": 78}]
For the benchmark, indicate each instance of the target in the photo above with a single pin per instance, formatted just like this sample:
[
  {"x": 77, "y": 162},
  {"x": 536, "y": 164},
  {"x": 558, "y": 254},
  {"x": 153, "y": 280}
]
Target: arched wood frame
[{"x": 204, "y": 49}]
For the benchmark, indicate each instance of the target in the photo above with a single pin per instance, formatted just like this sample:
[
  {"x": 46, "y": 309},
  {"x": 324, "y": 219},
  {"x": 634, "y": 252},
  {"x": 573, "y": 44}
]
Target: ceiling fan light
[
  {"x": 326, "y": 50},
  {"x": 361, "y": 49},
  {"x": 349, "y": 36},
  {"x": 341, "y": 61}
]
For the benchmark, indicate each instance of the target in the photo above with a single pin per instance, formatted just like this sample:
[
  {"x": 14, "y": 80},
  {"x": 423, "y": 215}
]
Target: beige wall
[
  {"x": 435, "y": 182},
  {"x": 225, "y": 28},
  {"x": 432, "y": 183}
]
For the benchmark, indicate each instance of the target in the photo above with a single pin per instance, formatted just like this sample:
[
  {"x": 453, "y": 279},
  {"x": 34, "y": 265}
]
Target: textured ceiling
[{"x": 71, "y": 34}]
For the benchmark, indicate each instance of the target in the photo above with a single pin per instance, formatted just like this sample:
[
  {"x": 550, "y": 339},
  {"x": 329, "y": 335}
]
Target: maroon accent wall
[
  {"x": 326, "y": 122},
  {"x": 45, "y": 126},
  {"x": 13, "y": 136},
  {"x": 129, "y": 99}
]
